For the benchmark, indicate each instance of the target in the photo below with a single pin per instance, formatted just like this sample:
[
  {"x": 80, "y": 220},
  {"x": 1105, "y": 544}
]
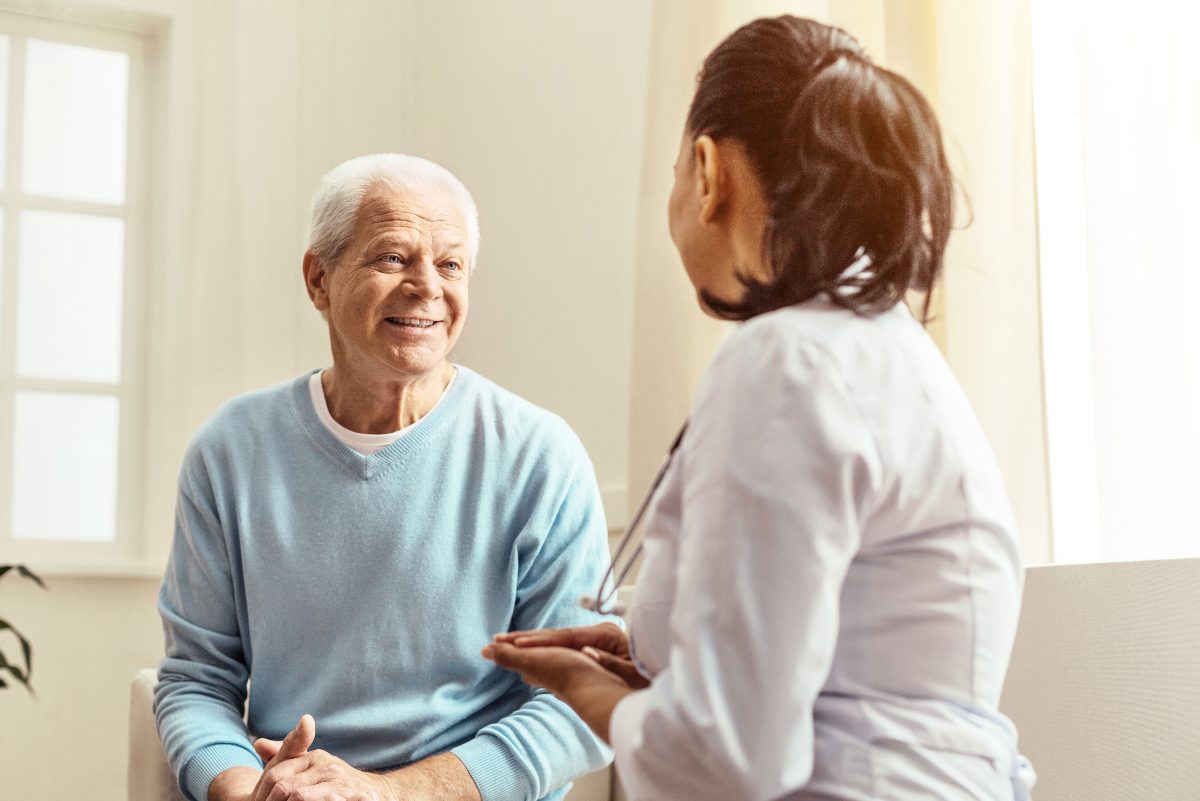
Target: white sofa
[
  {"x": 1104, "y": 684},
  {"x": 151, "y": 780}
]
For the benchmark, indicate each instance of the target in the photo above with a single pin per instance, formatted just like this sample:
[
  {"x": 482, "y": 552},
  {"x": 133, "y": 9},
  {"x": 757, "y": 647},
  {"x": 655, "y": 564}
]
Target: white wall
[
  {"x": 539, "y": 108},
  {"x": 89, "y": 636}
]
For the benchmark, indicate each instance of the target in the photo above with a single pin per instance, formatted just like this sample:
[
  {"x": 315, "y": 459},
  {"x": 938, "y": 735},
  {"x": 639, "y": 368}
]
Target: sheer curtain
[{"x": 1118, "y": 163}]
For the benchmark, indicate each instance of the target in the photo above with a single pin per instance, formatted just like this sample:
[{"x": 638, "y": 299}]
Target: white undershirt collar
[{"x": 366, "y": 444}]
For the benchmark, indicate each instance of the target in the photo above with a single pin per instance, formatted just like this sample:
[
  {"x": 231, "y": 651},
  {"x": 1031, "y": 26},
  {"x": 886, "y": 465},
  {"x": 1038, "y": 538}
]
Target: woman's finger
[
  {"x": 505, "y": 655},
  {"x": 538, "y": 667},
  {"x": 604, "y": 636},
  {"x": 619, "y": 665}
]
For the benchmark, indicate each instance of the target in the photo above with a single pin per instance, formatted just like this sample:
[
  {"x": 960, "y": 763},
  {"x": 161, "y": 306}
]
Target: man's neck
[{"x": 381, "y": 407}]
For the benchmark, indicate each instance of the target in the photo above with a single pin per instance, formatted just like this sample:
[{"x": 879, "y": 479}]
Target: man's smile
[{"x": 412, "y": 322}]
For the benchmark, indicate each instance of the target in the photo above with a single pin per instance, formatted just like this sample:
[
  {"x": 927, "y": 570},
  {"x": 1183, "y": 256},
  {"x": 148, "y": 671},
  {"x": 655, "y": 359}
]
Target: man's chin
[{"x": 418, "y": 365}]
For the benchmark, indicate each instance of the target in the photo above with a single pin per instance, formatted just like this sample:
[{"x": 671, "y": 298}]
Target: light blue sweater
[{"x": 361, "y": 588}]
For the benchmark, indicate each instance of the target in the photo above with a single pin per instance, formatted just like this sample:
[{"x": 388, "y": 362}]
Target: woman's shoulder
[
  {"x": 822, "y": 321},
  {"x": 818, "y": 330}
]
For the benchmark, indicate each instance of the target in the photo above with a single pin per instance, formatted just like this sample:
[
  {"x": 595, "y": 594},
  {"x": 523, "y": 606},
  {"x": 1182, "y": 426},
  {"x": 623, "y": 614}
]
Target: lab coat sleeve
[{"x": 778, "y": 465}]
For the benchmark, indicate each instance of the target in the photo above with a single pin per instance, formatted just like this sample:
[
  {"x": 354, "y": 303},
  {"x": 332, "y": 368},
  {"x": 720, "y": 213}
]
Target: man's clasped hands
[{"x": 572, "y": 663}]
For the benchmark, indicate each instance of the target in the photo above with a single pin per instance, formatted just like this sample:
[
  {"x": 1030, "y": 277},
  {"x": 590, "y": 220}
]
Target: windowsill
[{"x": 117, "y": 569}]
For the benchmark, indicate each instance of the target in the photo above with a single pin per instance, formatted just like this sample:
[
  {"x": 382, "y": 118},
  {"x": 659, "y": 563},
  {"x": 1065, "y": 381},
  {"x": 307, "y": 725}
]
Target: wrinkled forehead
[{"x": 429, "y": 217}]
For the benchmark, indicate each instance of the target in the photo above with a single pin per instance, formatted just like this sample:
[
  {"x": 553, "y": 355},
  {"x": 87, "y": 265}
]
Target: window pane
[
  {"x": 61, "y": 498},
  {"x": 75, "y": 117},
  {"x": 69, "y": 296}
]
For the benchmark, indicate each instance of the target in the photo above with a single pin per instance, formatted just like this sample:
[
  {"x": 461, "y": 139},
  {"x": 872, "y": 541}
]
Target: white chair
[
  {"x": 1104, "y": 685},
  {"x": 151, "y": 780},
  {"x": 149, "y": 777}
]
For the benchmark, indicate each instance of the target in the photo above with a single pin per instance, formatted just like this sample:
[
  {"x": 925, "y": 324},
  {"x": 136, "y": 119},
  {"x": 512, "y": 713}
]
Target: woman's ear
[{"x": 710, "y": 184}]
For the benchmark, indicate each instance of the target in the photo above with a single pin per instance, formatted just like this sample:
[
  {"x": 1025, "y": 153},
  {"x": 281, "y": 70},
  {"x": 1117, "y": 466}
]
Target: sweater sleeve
[
  {"x": 776, "y": 465},
  {"x": 543, "y": 744},
  {"x": 201, "y": 690}
]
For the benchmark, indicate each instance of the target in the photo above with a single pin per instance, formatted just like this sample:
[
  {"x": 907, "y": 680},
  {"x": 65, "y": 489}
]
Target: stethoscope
[{"x": 602, "y": 601}]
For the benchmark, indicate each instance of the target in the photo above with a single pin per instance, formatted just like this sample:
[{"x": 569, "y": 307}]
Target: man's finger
[
  {"x": 299, "y": 739},
  {"x": 314, "y": 781},
  {"x": 277, "y": 771},
  {"x": 273, "y": 752},
  {"x": 267, "y": 749}
]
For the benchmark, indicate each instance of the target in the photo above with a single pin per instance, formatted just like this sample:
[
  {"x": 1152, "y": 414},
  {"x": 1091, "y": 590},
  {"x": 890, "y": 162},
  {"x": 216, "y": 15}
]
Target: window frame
[{"x": 128, "y": 549}]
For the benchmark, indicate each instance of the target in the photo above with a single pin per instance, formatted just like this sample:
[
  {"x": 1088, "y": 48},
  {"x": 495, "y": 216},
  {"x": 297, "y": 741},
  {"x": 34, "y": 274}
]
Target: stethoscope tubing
[{"x": 603, "y": 600}]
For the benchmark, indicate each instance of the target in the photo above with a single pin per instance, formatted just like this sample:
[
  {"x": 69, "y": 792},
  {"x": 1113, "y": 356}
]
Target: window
[
  {"x": 70, "y": 305},
  {"x": 1117, "y": 127}
]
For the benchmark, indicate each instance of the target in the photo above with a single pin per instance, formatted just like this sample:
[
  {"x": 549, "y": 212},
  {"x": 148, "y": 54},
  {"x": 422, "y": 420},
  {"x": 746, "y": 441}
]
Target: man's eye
[
  {"x": 392, "y": 258},
  {"x": 453, "y": 266}
]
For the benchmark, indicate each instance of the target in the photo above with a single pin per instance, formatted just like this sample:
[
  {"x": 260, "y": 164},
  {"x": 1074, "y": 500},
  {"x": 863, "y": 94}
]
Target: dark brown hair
[{"x": 850, "y": 158}]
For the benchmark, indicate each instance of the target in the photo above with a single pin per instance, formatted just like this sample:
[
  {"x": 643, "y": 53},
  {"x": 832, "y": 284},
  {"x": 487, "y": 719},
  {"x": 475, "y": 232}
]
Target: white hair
[{"x": 338, "y": 197}]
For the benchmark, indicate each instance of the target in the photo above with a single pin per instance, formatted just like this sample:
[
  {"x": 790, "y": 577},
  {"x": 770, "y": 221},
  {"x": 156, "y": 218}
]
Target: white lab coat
[{"x": 831, "y": 581}]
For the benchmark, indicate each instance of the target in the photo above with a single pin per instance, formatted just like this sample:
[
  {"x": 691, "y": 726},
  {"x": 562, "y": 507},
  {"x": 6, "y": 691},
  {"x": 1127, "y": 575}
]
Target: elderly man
[{"x": 347, "y": 541}]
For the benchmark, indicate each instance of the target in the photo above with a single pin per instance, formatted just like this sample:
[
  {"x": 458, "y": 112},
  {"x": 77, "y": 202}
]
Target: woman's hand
[
  {"x": 605, "y": 643},
  {"x": 575, "y": 676}
]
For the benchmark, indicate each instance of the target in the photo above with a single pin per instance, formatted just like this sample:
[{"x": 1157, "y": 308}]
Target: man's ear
[
  {"x": 710, "y": 185},
  {"x": 315, "y": 276}
]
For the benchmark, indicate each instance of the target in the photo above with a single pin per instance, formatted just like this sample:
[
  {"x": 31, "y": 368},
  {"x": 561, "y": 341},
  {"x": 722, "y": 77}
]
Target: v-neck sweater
[{"x": 360, "y": 588}]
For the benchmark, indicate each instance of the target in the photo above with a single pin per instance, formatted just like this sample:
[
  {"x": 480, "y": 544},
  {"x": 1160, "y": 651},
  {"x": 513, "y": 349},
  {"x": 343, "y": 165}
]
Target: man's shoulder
[
  {"x": 248, "y": 414},
  {"x": 517, "y": 419}
]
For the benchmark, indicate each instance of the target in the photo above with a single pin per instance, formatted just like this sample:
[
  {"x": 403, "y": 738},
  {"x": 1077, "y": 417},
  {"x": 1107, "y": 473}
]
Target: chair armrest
[{"x": 149, "y": 778}]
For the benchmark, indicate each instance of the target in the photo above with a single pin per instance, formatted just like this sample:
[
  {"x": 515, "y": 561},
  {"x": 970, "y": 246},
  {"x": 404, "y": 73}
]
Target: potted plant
[{"x": 22, "y": 670}]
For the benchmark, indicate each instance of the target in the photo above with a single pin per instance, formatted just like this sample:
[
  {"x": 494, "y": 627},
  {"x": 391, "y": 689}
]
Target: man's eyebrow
[{"x": 389, "y": 240}]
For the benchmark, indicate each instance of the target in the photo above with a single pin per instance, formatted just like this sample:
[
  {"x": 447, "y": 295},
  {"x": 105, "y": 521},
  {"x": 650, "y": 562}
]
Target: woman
[{"x": 831, "y": 580}]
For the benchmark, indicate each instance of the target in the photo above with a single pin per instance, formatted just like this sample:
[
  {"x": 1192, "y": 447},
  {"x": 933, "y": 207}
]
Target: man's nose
[{"x": 421, "y": 281}]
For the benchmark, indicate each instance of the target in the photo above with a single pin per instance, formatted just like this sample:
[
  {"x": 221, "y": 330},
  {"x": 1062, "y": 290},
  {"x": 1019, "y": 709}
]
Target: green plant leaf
[
  {"x": 15, "y": 673},
  {"x": 24, "y": 572},
  {"x": 26, "y": 651},
  {"x": 29, "y": 574},
  {"x": 23, "y": 676}
]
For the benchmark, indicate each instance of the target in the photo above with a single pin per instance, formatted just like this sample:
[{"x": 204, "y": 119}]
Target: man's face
[{"x": 397, "y": 297}]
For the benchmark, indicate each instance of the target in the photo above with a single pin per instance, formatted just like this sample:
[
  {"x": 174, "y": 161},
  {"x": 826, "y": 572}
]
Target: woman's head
[{"x": 845, "y": 158}]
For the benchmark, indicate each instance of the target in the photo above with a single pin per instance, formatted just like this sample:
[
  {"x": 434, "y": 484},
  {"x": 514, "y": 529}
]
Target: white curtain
[{"x": 1118, "y": 110}]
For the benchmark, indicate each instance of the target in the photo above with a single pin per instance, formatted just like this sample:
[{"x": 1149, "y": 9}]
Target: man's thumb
[
  {"x": 299, "y": 739},
  {"x": 267, "y": 749}
]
